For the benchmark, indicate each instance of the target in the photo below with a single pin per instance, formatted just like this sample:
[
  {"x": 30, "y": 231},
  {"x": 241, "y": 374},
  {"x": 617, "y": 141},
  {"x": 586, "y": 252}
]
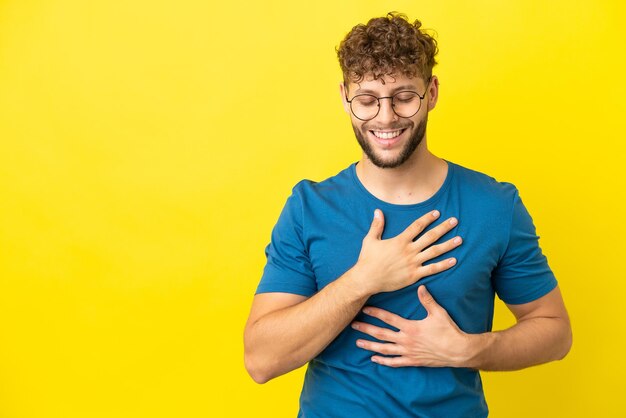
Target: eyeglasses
[{"x": 404, "y": 104}]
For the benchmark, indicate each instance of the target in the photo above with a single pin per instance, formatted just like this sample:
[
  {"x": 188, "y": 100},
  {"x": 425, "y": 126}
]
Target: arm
[
  {"x": 285, "y": 331},
  {"x": 541, "y": 334}
]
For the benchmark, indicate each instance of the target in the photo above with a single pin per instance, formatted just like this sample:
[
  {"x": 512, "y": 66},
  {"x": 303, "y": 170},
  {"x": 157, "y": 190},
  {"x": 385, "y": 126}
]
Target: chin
[
  {"x": 403, "y": 148},
  {"x": 392, "y": 158}
]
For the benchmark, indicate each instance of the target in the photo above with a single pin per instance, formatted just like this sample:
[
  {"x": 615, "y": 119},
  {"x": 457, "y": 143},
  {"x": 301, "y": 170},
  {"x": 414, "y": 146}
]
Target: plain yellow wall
[{"x": 147, "y": 148}]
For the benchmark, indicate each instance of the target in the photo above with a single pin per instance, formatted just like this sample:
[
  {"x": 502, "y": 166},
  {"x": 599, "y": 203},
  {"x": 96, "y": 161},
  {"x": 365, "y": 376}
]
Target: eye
[
  {"x": 366, "y": 100},
  {"x": 405, "y": 97}
]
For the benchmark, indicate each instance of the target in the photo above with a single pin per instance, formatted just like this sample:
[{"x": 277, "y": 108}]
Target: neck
[{"x": 415, "y": 181}]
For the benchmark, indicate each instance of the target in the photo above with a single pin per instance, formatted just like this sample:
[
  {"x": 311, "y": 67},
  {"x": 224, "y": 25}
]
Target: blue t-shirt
[{"x": 318, "y": 238}]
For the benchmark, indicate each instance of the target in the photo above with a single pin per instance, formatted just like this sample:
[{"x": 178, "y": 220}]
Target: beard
[{"x": 409, "y": 148}]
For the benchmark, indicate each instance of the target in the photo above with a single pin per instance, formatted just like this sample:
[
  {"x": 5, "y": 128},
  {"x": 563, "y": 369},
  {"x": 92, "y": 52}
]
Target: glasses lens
[
  {"x": 364, "y": 106},
  {"x": 406, "y": 103}
]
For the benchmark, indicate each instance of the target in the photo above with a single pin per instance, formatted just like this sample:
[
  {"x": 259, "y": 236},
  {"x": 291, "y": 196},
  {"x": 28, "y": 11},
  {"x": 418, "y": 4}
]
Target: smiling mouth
[{"x": 387, "y": 134}]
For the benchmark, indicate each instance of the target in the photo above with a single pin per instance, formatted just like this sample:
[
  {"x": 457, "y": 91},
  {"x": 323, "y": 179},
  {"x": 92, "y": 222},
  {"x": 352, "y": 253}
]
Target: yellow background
[{"x": 147, "y": 148}]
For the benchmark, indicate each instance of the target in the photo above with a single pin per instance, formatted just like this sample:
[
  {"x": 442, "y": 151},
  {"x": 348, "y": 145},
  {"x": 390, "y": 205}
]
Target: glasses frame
[{"x": 388, "y": 97}]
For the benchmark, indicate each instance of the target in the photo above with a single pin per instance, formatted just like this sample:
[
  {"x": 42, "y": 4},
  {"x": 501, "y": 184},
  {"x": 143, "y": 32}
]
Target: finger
[
  {"x": 382, "y": 348},
  {"x": 420, "y": 224},
  {"x": 377, "y": 226},
  {"x": 400, "y": 361},
  {"x": 436, "y": 250},
  {"x": 426, "y": 299},
  {"x": 382, "y": 334},
  {"x": 434, "y": 234},
  {"x": 385, "y": 316},
  {"x": 434, "y": 268}
]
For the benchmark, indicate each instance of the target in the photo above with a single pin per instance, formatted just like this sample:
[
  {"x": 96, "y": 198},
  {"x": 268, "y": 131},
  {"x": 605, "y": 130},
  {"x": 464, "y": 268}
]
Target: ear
[
  {"x": 344, "y": 95},
  {"x": 433, "y": 92}
]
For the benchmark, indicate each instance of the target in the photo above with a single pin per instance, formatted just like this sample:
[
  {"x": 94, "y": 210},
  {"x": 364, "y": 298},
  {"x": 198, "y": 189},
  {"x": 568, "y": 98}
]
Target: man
[{"x": 383, "y": 276}]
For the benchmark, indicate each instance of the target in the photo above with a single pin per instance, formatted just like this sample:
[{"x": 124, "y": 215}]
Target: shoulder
[
  {"x": 484, "y": 188},
  {"x": 310, "y": 191}
]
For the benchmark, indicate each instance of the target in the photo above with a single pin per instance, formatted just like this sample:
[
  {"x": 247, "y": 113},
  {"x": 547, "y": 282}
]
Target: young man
[{"x": 383, "y": 277}]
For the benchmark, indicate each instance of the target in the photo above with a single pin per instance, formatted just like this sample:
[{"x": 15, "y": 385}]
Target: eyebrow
[{"x": 399, "y": 88}]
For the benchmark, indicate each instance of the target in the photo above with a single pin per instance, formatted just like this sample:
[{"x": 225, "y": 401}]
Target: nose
[{"x": 386, "y": 113}]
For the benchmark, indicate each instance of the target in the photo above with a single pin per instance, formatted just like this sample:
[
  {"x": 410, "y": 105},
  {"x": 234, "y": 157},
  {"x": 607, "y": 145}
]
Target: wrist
[
  {"x": 478, "y": 348},
  {"x": 355, "y": 280}
]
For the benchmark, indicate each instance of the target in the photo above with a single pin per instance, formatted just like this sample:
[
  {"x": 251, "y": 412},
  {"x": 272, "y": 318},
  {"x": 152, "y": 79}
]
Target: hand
[
  {"x": 391, "y": 264},
  {"x": 435, "y": 341}
]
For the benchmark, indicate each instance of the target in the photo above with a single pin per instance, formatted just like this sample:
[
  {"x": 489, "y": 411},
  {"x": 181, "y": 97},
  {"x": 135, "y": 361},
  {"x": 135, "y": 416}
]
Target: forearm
[
  {"x": 529, "y": 342},
  {"x": 286, "y": 339}
]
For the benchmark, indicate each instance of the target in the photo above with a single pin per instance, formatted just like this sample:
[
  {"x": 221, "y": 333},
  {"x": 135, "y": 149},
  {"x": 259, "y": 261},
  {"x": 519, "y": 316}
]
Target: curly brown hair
[{"x": 386, "y": 46}]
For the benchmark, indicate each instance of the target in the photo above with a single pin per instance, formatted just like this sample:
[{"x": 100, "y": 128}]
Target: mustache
[{"x": 366, "y": 127}]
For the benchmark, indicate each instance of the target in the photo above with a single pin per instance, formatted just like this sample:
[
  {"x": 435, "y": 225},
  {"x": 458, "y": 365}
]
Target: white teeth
[{"x": 387, "y": 135}]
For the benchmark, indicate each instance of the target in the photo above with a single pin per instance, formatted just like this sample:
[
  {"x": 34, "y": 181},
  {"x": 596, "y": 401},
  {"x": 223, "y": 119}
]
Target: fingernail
[
  {"x": 453, "y": 221},
  {"x": 457, "y": 240},
  {"x": 366, "y": 311},
  {"x": 376, "y": 213},
  {"x": 452, "y": 261},
  {"x": 360, "y": 343},
  {"x": 355, "y": 326},
  {"x": 435, "y": 213}
]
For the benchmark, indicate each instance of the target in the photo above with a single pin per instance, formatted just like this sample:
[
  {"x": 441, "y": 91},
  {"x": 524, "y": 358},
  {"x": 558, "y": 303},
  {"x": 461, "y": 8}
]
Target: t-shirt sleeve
[
  {"x": 288, "y": 268},
  {"x": 522, "y": 274}
]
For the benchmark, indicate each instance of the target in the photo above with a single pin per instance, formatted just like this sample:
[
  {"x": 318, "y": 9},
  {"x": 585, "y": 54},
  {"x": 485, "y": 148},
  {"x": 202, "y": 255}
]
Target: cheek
[
  {"x": 359, "y": 126},
  {"x": 365, "y": 126}
]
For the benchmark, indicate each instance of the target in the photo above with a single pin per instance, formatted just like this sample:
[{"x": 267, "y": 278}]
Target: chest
[{"x": 335, "y": 245}]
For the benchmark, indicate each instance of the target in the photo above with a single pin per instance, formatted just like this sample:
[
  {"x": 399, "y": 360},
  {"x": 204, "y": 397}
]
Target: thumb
[
  {"x": 378, "y": 224},
  {"x": 427, "y": 300}
]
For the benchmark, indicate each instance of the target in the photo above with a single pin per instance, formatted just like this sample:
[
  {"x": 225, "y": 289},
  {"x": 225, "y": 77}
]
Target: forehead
[{"x": 388, "y": 83}]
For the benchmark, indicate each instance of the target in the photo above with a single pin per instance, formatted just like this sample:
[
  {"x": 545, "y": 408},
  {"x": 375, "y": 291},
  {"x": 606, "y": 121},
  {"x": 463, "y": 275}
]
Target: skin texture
[
  {"x": 285, "y": 331},
  {"x": 415, "y": 138},
  {"x": 390, "y": 156}
]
